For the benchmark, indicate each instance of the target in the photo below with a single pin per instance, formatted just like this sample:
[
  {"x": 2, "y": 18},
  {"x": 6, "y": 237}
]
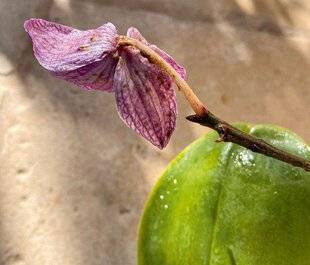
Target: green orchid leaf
[{"x": 221, "y": 204}]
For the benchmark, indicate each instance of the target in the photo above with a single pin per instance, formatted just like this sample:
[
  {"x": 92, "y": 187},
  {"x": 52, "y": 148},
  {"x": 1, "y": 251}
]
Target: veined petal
[
  {"x": 179, "y": 68},
  {"x": 97, "y": 75},
  {"x": 145, "y": 98},
  {"x": 135, "y": 34},
  {"x": 82, "y": 57},
  {"x": 60, "y": 48}
]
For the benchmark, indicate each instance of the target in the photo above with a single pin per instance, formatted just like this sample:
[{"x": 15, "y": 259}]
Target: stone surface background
[{"x": 73, "y": 178}]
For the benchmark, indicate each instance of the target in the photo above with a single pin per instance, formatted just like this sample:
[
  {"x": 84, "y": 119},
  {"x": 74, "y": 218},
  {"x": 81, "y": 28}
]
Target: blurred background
[{"x": 73, "y": 177}]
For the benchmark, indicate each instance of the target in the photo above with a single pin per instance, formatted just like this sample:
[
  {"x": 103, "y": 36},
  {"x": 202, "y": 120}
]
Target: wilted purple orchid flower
[{"x": 91, "y": 59}]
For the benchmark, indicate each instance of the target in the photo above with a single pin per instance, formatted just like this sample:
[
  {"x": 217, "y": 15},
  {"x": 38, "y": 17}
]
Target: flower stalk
[
  {"x": 204, "y": 117},
  {"x": 155, "y": 58}
]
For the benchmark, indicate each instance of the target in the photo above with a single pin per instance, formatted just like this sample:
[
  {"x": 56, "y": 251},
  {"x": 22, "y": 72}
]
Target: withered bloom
[{"x": 91, "y": 59}]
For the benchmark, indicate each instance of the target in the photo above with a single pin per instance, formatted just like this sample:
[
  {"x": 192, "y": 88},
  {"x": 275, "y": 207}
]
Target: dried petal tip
[
  {"x": 135, "y": 34},
  {"x": 75, "y": 55}
]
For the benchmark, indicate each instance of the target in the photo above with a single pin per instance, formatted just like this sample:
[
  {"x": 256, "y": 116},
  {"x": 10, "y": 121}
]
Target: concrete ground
[{"x": 73, "y": 177}]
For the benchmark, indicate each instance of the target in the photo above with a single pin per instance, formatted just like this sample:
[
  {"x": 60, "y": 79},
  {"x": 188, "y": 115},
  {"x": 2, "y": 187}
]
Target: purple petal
[
  {"x": 82, "y": 57},
  {"x": 98, "y": 75},
  {"x": 135, "y": 34},
  {"x": 145, "y": 98},
  {"x": 179, "y": 68}
]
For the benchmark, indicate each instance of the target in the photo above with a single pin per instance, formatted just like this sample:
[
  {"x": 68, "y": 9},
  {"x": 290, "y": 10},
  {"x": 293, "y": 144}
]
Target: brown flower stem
[{"x": 227, "y": 132}]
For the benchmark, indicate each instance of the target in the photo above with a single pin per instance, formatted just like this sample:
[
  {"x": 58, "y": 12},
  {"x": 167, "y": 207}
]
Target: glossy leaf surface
[{"x": 220, "y": 204}]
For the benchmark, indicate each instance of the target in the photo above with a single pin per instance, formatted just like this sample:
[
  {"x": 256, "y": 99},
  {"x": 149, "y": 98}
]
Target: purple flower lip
[{"x": 92, "y": 59}]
